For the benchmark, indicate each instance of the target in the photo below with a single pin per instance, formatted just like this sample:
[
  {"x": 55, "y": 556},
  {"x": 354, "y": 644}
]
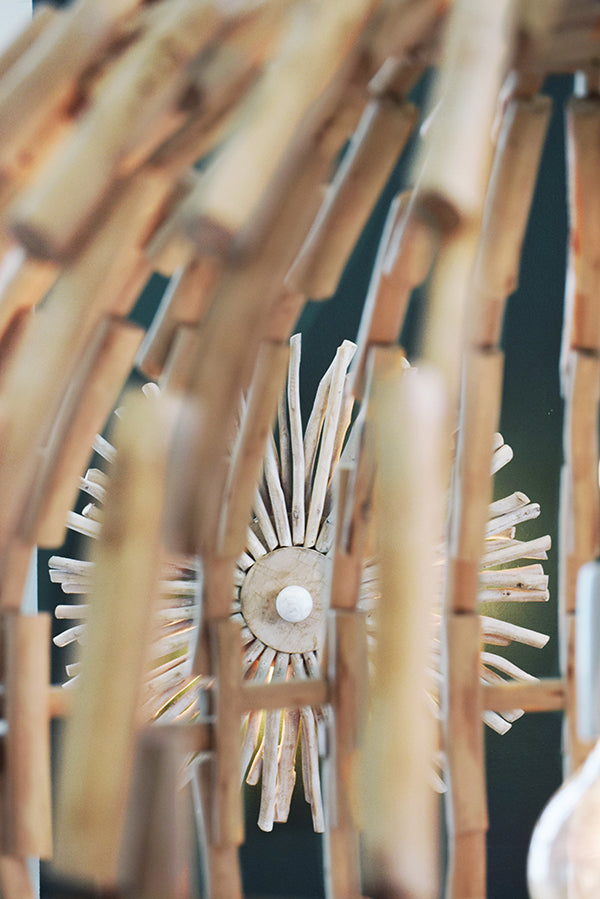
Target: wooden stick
[
  {"x": 239, "y": 315},
  {"x": 463, "y": 741},
  {"x": 15, "y": 878},
  {"x": 184, "y": 303},
  {"x": 223, "y": 80},
  {"x": 228, "y": 825},
  {"x": 26, "y": 37},
  {"x": 325, "y": 456},
  {"x": 472, "y": 492},
  {"x": 284, "y": 446},
  {"x": 93, "y": 392},
  {"x": 28, "y": 820},
  {"x": 270, "y": 751},
  {"x": 539, "y": 696},
  {"x": 98, "y": 745},
  {"x": 287, "y": 767},
  {"x": 403, "y": 259},
  {"x": 380, "y": 137},
  {"x": 131, "y": 101},
  {"x": 297, "y": 444},
  {"x": 23, "y": 283},
  {"x": 271, "y": 117},
  {"x": 512, "y": 181},
  {"x": 248, "y": 452},
  {"x": 50, "y": 67},
  {"x": 349, "y": 677},
  {"x": 407, "y": 413},
  {"x": 58, "y": 336},
  {"x": 277, "y": 497}
]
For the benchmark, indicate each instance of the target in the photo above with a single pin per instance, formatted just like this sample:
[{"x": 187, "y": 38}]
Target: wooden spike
[{"x": 99, "y": 740}]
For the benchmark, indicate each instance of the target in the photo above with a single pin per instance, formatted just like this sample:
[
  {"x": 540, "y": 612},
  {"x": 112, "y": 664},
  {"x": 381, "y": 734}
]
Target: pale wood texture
[
  {"x": 93, "y": 392},
  {"x": 99, "y": 741},
  {"x": 27, "y": 818},
  {"x": 382, "y": 132},
  {"x": 407, "y": 411}
]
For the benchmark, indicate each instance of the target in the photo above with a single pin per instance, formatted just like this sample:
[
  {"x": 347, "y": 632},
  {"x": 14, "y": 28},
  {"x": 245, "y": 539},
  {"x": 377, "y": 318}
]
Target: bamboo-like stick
[
  {"x": 221, "y": 83},
  {"x": 512, "y": 181},
  {"x": 26, "y": 37},
  {"x": 325, "y": 456},
  {"x": 274, "y": 111},
  {"x": 378, "y": 141},
  {"x": 131, "y": 100},
  {"x": 539, "y": 696},
  {"x": 467, "y": 813},
  {"x": 156, "y": 846},
  {"x": 403, "y": 259},
  {"x": 57, "y": 336},
  {"x": 50, "y": 67},
  {"x": 248, "y": 452},
  {"x": 98, "y": 745},
  {"x": 228, "y": 825},
  {"x": 184, "y": 303},
  {"x": 27, "y": 813},
  {"x": 473, "y": 486},
  {"x": 92, "y": 395},
  {"x": 15, "y": 878},
  {"x": 407, "y": 414},
  {"x": 296, "y": 442},
  {"x": 581, "y": 327},
  {"x": 23, "y": 283},
  {"x": 579, "y": 519},
  {"x": 349, "y": 678},
  {"x": 251, "y": 287},
  {"x": 454, "y": 169}
]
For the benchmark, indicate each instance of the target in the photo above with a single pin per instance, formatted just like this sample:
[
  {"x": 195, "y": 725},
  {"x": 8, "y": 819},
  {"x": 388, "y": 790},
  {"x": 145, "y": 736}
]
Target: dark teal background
[{"x": 524, "y": 765}]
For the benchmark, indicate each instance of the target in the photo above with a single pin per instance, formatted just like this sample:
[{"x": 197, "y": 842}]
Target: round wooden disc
[{"x": 287, "y": 565}]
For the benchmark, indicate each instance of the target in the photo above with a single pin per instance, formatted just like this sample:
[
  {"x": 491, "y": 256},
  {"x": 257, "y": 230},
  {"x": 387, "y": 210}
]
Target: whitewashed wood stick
[
  {"x": 256, "y": 648},
  {"x": 68, "y": 612},
  {"x": 244, "y": 561},
  {"x": 297, "y": 443},
  {"x": 276, "y": 495},
  {"x": 506, "y": 594},
  {"x": 314, "y": 425},
  {"x": 255, "y": 771},
  {"x": 502, "y": 456},
  {"x": 507, "y": 667},
  {"x": 496, "y": 722},
  {"x": 104, "y": 448},
  {"x": 82, "y": 525},
  {"x": 310, "y": 753},
  {"x": 526, "y": 577},
  {"x": 264, "y": 521},
  {"x": 511, "y": 550},
  {"x": 285, "y": 464},
  {"x": 250, "y": 740},
  {"x": 508, "y": 504},
  {"x": 325, "y": 457},
  {"x": 512, "y": 632},
  {"x": 270, "y": 751},
  {"x": 511, "y": 519},
  {"x": 254, "y": 545},
  {"x": 93, "y": 489},
  {"x": 287, "y": 768},
  {"x": 70, "y": 566}
]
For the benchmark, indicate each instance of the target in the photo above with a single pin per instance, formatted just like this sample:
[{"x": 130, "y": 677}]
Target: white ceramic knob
[{"x": 294, "y": 603}]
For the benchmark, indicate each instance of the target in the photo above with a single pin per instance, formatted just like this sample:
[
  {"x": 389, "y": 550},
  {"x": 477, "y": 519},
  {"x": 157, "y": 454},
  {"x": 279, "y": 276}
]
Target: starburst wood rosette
[{"x": 280, "y": 590}]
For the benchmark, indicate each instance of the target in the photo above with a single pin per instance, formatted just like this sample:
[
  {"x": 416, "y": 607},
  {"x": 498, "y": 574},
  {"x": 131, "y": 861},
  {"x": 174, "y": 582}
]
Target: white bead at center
[{"x": 294, "y": 603}]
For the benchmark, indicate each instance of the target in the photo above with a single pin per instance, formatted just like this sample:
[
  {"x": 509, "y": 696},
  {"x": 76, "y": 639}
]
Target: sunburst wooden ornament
[{"x": 280, "y": 589}]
